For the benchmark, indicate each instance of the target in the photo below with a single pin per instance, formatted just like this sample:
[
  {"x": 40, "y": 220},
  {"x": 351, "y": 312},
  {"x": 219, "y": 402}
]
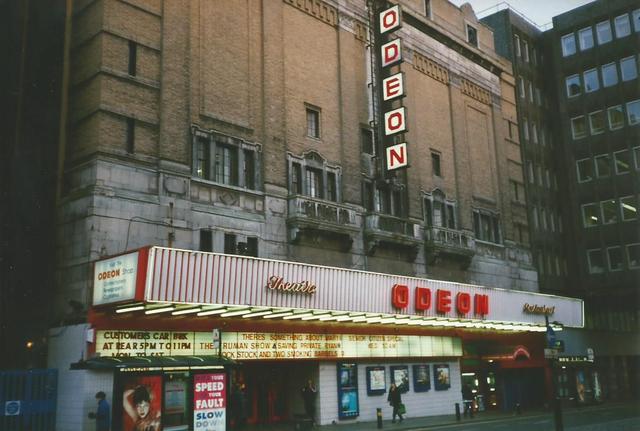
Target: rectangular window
[
  {"x": 595, "y": 261},
  {"x": 206, "y": 240},
  {"x": 622, "y": 161},
  {"x": 203, "y": 158},
  {"x": 472, "y": 35},
  {"x": 615, "y": 258},
  {"x": 629, "y": 68},
  {"x": 451, "y": 216},
  {"x": 591, "y": 215},
  {"x": 629, "y": 208},
  {"x": 427, "y": 8},
  {"x": 226, "y": 165},
  {"x": 487, "y": 227},
  {"x": 516, "y": 191},
  {"x": 636, "y": 20},
  {"x": 591, "y": 82},
  {"x": 552, "y": 221},
  {"x": 131, "y": 135},
  {"x": 543, "y": 218},
  {"x": 578, "y": 127},
  {"x": 531, "y": 92},
  {"x": 538, "y": 97},
  {"x": 616, "y": 117},
  {"x": 521, "y": 90},
  {"x": 367, "y": 195},
  {"x": 623, "y": 27},
  {"x": 517, "y": 46},
  {"x": 536, "y": 222},
  {"x": 633, "y": 255},
  {"x": 597, "y": 122},
  {"x": 435, "y": 164},
  {"x": 251, "y": 247},
  {"x": 585, "y": 37},
  {"x": 249, "y": 169},
  {"x": 296, "y": 178},
  {"x": 568, "y": 45},
  {"x": 633, "y": 112},
  {"x": 573, "y": 85},
  {"x": 585, "y": 170},
  {"x": 636, "y": 156},
  {"x": 539, "y": 174},
  {"x": 603, "y": 29},
  {"x": 367, "y": 141},
  {"x": 133, "y": 56},
  {"x": 313, "y": 123},
  {"x": 609, "y": 75},
  {"x": 534, "y": 132},
  {"x": 525, "y": 51},
  {"x": 397, "y": 203},
  {"x": 525, "y": 129},
  {"x": 230, "y": 243},
  {"x": 547, "y": 176},
  {"x": 603, "y": 166},
  {"x": 609, "y": 211},
  {"x": 428, "y": 212},
  {"x": 332, "y": 194},
  {"x": 313, "y": 183}
]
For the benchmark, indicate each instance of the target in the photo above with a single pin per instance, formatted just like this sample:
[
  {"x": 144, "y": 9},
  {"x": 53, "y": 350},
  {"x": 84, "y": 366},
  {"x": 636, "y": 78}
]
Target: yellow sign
[{"x": 261, "y": 345}]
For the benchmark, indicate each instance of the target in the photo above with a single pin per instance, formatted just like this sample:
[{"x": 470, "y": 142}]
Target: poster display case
[
  {"x": 421, "y": 378},
  {"x": 348, "y": 406},
  {"x": 400, "y": 376},
  {"x": 376, "y": 380},
  {"x": 442, "y": 377}
]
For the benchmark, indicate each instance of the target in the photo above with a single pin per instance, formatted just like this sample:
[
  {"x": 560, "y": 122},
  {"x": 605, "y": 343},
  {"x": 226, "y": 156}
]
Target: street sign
[{"x": 550, "y": 354}]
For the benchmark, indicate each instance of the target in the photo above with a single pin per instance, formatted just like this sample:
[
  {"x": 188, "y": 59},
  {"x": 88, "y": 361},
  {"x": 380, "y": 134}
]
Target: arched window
[{"x": 439, "y": 211}]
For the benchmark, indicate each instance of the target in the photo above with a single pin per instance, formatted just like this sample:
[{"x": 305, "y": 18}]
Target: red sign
[
  {"x": 400, "y": 298},
  {"x": 395, "y": 121},
  {"x": 390, "y": 19},
  {"x": 393, "y": 87},
  {"x": 391, "y": 53},
  {"x": 209, "y": 402},
  {"x": 397, "y": 156}
]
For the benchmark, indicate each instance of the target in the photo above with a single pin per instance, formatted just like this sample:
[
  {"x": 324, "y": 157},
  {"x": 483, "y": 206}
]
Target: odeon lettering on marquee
[
  {"x": 462, "y": 304},
  {"x": 395, "y": 121}
]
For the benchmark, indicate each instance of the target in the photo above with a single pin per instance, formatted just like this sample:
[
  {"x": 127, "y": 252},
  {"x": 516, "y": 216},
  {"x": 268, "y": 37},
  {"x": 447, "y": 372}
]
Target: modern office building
[
  {"x": 588, "y": 72},
  {"x": 252, "y": 129}
]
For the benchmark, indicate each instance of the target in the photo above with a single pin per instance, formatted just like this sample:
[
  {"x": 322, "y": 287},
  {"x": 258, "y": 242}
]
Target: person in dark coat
[
  {"x": 309, "y": 393},
  {"x": 395, "y": 400},
  {"x": 103, "y": 414},
  {"x": 238, "y": 404}
]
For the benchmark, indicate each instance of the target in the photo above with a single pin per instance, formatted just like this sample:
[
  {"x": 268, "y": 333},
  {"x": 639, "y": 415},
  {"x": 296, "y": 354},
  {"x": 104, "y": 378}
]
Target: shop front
[{"x": 188, "y": 340}]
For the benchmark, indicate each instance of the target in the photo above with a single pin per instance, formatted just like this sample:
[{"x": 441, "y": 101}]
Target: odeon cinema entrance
[{"x": 273, "y": 389}]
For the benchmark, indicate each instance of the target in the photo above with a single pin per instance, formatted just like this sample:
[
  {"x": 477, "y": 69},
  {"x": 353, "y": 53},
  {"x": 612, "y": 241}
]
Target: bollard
[
  {"x": 379, "y": 417},
  {"x": 458, "y": 412}
]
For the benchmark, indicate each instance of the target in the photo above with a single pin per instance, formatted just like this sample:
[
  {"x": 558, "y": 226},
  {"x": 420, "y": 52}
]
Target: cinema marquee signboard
[
  {"x": 394, "y": 120},
  {"x": 270, "y": 346}
]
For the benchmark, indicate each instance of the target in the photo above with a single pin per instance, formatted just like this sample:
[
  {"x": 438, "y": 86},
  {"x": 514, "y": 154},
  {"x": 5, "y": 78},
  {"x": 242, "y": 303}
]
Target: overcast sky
[{"x": 539, "y": 11}]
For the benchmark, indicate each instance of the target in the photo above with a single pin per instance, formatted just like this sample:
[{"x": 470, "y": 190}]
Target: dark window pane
[
  {"x": 131, "y": 127},
  {"x": 367, "y": 141},
  {"x": 296, "y": 178},
  {"x": 133, "y": 55},
  {"x": 249, "y": 169},
  {"x": 206, "y": 240},
  {"x": 435, "y": 164},
  {"x": 331, "y": 187},
  {"x": 428, "y": 211},
  {"x": 252, "y": 247},
  {"x": 229, "y": 243}
]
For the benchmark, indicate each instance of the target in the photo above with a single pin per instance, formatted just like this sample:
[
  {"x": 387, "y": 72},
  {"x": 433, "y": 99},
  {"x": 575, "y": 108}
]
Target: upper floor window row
[
  {"x": 623, "y": 25},
  {"x": 596, "y": 122},
  {"x": 225, "y": 159},
  {"x": 607, "y": 74},
  {"x": 601, "y": 166}
]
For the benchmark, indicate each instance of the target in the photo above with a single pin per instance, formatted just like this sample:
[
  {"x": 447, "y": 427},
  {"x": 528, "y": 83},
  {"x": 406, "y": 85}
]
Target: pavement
[{"x": 424, "y": 423}]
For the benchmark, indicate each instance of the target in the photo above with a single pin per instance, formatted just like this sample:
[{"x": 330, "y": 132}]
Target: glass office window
[
  {"x": 597, "y": 122},
  {"x": 629, "y": 208},
  {"x": 633, "y": 112},
  {"x": 568, "y": 45},
  {"x": 633, "y": 254},
  {"x": 636, "y": 156},
  {"x": 579, "y": 127},
  {"x": 622, "y": 161},
  {"x": 591, "y": 82},
  {"x": 595, "y": 261},
  {"x": 609, "y": 211},
  {"x": 585, "y": 170},
  {"x": 591, "y": 215},
  {"x": 623, "y": 27},
  {"x": 629, "y": 68},
  {"x": 609, "y": 75},
  {"x": 603, "y": 165},
  {"x": 585, "y": 36},
  {"x": 603, "y": 30},
  {"x": 636, "y": 20},
  {"x": 573, "y": 85},
  {"x": 615, "y": 258},
  {"x": 616, "y": 117}
]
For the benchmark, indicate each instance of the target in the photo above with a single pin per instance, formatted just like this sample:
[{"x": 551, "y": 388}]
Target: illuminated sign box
[{"x": 115, "y": 279}]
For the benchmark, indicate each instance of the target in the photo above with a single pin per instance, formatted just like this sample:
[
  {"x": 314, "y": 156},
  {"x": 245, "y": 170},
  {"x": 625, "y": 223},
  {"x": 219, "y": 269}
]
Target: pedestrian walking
[
  {"x": 309, "y": 393},
  {"x": 102, "y": 415},
  {"x": 238, "y": 406},
  {"x": 395, "y": 401}
]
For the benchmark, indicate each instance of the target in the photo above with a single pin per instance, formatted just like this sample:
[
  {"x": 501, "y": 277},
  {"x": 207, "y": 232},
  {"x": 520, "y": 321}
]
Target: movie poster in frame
[
  {"x": 400, "y": 376},
  {"x": 421, "y": 378},
  {"x": 376, "y": 380},
  {"x": 348, "y": 406},
  {"x": 441, "y": 377},
  {"x": 142, "y": 403}
]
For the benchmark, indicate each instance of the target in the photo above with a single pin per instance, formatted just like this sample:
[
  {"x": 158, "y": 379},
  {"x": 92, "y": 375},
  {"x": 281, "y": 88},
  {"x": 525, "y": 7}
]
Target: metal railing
[
  {"x": 391, "y": 224},
  {"x": 450, "y": 238},
  {"x": 322, "y": 211}
]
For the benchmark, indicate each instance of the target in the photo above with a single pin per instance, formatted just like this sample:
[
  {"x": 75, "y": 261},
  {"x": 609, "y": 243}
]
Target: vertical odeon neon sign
[{"x": 394, "y": 120}]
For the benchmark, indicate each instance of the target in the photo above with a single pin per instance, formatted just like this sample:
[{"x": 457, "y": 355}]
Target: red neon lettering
[
  {"x": 423, "y": 298},
  {"x": 392, "y": 87},
  {"x": 389, "y": 15},
  {"x": 400, "y": 295},
  {"x": 443, "y": 301},
  {"x": 393, "y": 49},
  {"x": 463, "y": 303},
  {"x": 396, "y": 157},
  {"x": 481, "y": 304},
  {"x": 395, "y": 121}
]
